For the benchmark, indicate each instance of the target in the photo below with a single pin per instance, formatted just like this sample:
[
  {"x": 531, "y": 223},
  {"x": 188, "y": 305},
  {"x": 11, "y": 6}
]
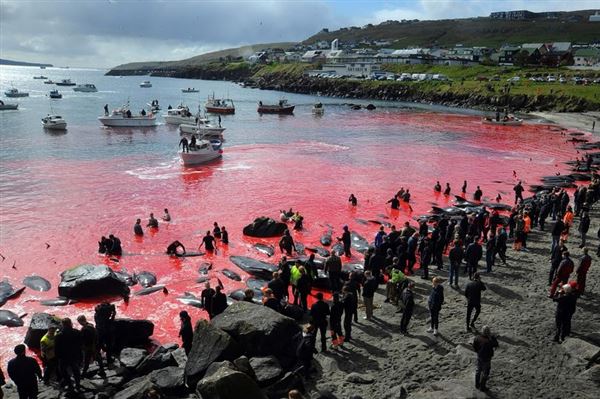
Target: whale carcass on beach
[
  {"x": 254, "y": 267},
  {"x": 10, "y": 319},
  {"x": 37, "y": 283}
]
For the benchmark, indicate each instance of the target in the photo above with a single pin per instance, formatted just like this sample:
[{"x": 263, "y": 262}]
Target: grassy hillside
[
  {"x": 572, "y": 26},
  {"x": 202, "y": 59}
]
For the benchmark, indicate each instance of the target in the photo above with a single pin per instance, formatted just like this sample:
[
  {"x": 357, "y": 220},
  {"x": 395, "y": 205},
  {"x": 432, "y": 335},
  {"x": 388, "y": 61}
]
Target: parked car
[
  {"x": 514, "y": 79},
  {"x": 562, "y": 79},
  {"x": 551, "y": 78}
]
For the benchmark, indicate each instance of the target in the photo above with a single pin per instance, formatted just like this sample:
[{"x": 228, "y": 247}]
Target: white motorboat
[
  {"x": 54, "y": 122},
  {"x": 40, "y": 77},
  {"x": 65, "y": 82},
  {"x": 190, "y": 90},
  {"x": 15, "y": 93},
  {"x": 86, "y": 88},
  {"x": 505, "y": 121},
  {"x": 122, "y": 117},
  {"x": 179, "y": 115},
  {"x": 318, "y": 109},
  {"x": 54, "y": 94},
  {"x": 204, "y": 151},
  {"x": 203, "y": 129},
  {"x": 146, "y": 83},
  {"x": 7, "y": 107}
]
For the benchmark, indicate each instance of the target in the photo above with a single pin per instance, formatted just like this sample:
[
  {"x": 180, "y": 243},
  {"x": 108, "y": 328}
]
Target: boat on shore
[
  {"x": 65, "y": 82},
  {"x": 40, "y": 77},
  {"x": 179, "y": 115},
  {"x": 54, "y": 94},
  {"x": 122, "y": 117},
  {"x": 204, "y": 129},
  {"x": 219, "y": 106},
  {"x": 283, "y": 107},
  {"x": 7, "y": 106},
  {"x": 190, "y": 90},
  {"x": 505, "y": 121},
  {"x": 86, "y": 88},
  {"x": 15, "y": 93},
  {"x": 318, "y": 109},
  {"x": 54, "y": 122},
  {"x": 146, "y": 83},
  {"x": 204, "y": 151}
]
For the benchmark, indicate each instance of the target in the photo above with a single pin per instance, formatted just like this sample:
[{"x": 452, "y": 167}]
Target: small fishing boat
[
  {"x": 15, "y": 93},
  {"x": 203, "y": 129},
  {"x": 190, "y": 90},
  {"x": 86, "y": 88},
  {"x": 40, "y": 77},
  {"x": 7, "y": 107},
  {"x": 280, "y": 108},
  {"x": 505, "y": 121},
  {"x": 146, "y": 83},
  {"x": 318, "y": 109},
  {"x": 179, "y": 115},
  {"x": 204, "y": 151},
  {"x": 48, "y": 82},
  {"x": 54, "y": 122},
  {"x": 122, "y": 117},
  {"x": 65, "y": 82},
  {"x": 219, "y": 106},
  {"x": 54, "y": 94}
]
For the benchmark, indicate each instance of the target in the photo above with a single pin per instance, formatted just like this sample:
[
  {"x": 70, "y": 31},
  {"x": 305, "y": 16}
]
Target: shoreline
[{"x": 573, "y": 120}]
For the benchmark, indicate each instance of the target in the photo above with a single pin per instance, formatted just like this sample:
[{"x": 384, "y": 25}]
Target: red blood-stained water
[{"x": 70, "y": 203}]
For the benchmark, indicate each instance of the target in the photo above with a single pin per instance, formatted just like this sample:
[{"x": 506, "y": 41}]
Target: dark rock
[
  {"x": 89, "y": 281},
  {"x": 10, "y": 319},
  {"x": 38, "y": 327},
  {"x": 285, "y": 384},
  {"x": 168, "y": 380},
  {"x": 370, "y": 107},
  {"x": 132, "y": 333},
  {"x": 229, "y": 384},
  {"x": 243, "y": 364},
  {"x": 135, "y": 389},
  {"x": 265, "y": 227},
  {"x": 256, "y": 268},
  {"x": 293, "y": 311},
  {"x": 180, "y": 357},
  {"x": 210, "y": 344},
  {"x": 158, "y": 359},
  {"x": 259, "y": 330},
  {"x": 132, "y": 357},
  {"x": 267, "y": 369},
  {"x": 359, "y": 378},
  {"x": 215, "y": 366},
  {"x": 37, "y": 283}
]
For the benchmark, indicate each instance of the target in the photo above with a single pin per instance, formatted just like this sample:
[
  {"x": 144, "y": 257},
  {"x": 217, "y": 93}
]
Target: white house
[{"x": 358, "y": 69}]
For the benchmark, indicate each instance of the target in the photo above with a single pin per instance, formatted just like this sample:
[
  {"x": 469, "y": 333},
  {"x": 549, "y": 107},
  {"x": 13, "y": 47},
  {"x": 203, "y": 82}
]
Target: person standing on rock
[
  {"x": 25, "y": 372},
  {"x": 89, "y": 337},
  {"x": 473, "y": 294},
  {"x": 206, "y": 299},
  {"x": 277, "y": 286},
  {"x": 104, "y": 317},
  {"x": 582, "y": 270},
  {"x": 435, "y": 302},
  {"x": 48, "y": 355},
  {"x": 566, "y": 303},
  {"x": 219, "y": 302},
  {"x": 484, "y": 345},
  {"x": 333, "y": 266},
  {"x": 349, "y": 302},
  {"x": 408, "y": 299},
  {"x": 69, "y": 346},
  {"x": 186, "y": 332},
  {"x": 369, "y": 287},
  {"x": 318, "y": 313}
]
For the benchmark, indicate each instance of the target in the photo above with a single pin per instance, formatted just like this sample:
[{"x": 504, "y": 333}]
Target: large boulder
[
  {"x": 132, "y": 332},
  {"x": 132, "y": 357},
  {"x": 265, "y": 227},
  {"x": 256, "y": 268},
  {"x": 260, "y": 330},
  {"x": 228, "y": 384},
  {"x": 168, "y": 380},
  {"x": 89, "y": 281},
  {"x": 38, "y": 328},
  {"x": 267, "y": 369},
  {"x": 581, "y": 350},
  {"x": 210, "y": 344},
  {"x": 159, "y": 359}
]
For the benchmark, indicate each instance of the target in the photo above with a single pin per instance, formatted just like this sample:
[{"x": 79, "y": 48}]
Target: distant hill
[
  {"x": 21, "y": 63},
  {"x": 483, "y": 31},
  {"x": 202, "y": 59}
]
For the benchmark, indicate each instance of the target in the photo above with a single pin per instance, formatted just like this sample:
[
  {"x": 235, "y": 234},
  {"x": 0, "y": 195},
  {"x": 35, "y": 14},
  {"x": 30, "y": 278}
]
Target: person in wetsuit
[
  {"x": 395, "y": 203},
  {"x": 208, "y": 241},
  {"x": 183, "y": 143},
  {"x": 437, "y": 187},
  {"x": 174, "y": 246},
  {"x": 152, "y": 222}
]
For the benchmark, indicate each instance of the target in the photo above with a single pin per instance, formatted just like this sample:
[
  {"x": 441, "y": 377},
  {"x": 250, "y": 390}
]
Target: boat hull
[
  {"x": 178, "y": 120},
  {"x": 65, "y": 84},
  {"x": 274, "y": 109},
  {"x": 84, "y": 90},
  {"x": 8, "y": 107},
  {"x": 194, "y": 129},
  {"x": 193, "y": 158},
  {"x": 219, "y": 110},
  {"x": 134, "y": 121},
  {"x": 55, "y": 126},
  {"x": 15, "y": 95}
]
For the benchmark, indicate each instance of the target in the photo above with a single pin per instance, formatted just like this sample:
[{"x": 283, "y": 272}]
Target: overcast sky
[{"x": 105, "y": 33}]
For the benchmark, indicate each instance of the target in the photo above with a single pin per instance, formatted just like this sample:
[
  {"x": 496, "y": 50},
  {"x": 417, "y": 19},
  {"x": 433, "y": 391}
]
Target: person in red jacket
[{"x": 562, "y": 274}]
